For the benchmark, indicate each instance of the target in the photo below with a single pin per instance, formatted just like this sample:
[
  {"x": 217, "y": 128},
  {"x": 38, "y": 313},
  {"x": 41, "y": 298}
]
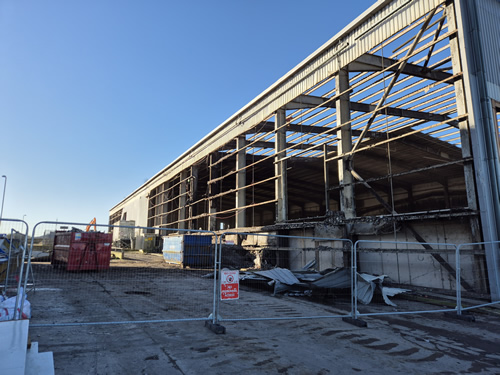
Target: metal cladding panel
[
  {"x": 378, "y": 23},
  {"x": 477, "y": 76},
  {"x": 489, "y": 21}
]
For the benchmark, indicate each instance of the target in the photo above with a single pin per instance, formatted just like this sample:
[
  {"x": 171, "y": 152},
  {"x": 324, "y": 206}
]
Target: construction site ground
[{"x": 409, "y": 344}]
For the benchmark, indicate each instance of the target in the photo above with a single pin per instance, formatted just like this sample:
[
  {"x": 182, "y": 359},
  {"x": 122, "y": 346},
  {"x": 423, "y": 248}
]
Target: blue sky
[{"x": 98, "y": 96}]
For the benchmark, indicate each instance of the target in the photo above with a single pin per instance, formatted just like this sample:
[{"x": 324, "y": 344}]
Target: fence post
[
  {"x": 18, "y": 315},
  {"x": 354, "y": 258},
  {"x": 214, "y": 325},
  {"x": 458, "y": 287},
  {"x": 8, "y": 262},
  {"x": 353, "y": 319},
  {"x": 458, "y": 314}
]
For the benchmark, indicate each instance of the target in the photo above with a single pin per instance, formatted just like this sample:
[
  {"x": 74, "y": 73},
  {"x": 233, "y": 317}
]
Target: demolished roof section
[{"x": 285, "y": 280}]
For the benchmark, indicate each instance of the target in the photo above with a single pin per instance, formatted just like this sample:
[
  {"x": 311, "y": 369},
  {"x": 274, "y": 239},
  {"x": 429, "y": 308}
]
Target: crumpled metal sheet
[
  {"x": 307, "y": 277},
  {"x": 365, "y": 290},
  {"x": 279, "y": 287},
  {"x": 339, "y": 278},
  {"x": 391, "y": 292},
  {"x": 283, "y": 275},
  {"x": 309, "y": 266},
  {"x": 283, "y": 279},
  {"x": 367, "y": 284}
]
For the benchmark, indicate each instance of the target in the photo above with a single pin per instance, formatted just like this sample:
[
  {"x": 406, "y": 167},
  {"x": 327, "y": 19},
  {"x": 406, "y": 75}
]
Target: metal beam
[
  {"x": 293, "y": 146},
  {"x": 262, "y": 127},
  {"x": 397, "y": 73},
  {"x": 369, "y": 62},
  {"x": 438, "y": 257},
  {"x": 417, "y": 236},
  {"x": 310, "y": 101},
  {"x": 369, "y": 30},
  {"x": 400, "y": 112},
  {"x": 299, "y": 128}
]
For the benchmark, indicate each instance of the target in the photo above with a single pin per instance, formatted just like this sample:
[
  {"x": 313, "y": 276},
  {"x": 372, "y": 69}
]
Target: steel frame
[{"x": 400, "y": 113}]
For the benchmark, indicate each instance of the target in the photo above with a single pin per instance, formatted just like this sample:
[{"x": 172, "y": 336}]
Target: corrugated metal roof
[{"x": 489, "y": 28}]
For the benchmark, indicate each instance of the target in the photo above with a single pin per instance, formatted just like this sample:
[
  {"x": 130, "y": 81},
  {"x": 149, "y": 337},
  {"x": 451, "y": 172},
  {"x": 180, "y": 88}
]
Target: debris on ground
[
  {"x": 305, "y": 281},
  {"x": 8, "y": 307}
]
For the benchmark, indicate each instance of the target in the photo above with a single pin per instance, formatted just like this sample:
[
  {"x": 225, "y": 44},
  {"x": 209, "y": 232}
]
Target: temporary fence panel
[
  {"x": 474, "y": 292},
  {"x": 404, "y": 277},
  {"x": 13, "y": 244},
  {"x": 87, "y": 278},
  {"x": 285, "y": 277}
]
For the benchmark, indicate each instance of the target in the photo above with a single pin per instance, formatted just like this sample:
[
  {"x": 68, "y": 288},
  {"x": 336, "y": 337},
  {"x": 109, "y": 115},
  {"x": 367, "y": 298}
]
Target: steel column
[
  {"x": 280, "y": 167},
  {"x": 241, "y": 161},
  {"x": 326, "y": 173},
  {"x": 482, "y": 127},
  {"x": 212, "y": 210},
  {"x": 193, "y": 187},
  {"x": 344, "y": 134},
  {"x": 182, "y": 200}
]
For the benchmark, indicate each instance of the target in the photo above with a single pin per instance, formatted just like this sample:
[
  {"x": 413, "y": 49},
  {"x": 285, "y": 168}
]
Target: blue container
[{"x": 188, "y": 250}]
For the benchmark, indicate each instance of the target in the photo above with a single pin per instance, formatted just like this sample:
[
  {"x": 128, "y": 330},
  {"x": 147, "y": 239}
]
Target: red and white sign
[{"x": 230, "y": 285}]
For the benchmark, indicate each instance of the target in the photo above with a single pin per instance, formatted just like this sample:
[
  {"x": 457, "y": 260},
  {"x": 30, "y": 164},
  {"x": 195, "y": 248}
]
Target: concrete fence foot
[
  {"x": 215, "y": 327},
  {"x": 464, "y": 316},
  {"x": 356, "y": 322}
]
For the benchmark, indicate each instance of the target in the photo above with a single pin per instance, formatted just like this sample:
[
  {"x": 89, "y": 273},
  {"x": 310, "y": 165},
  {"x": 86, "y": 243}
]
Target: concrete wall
[
  {"x": 326, "y": 253},
  {"x": 407, "y": 263}
]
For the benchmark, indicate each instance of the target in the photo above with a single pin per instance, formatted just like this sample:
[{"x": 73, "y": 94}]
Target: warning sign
[{"x": 229, "y": 285}]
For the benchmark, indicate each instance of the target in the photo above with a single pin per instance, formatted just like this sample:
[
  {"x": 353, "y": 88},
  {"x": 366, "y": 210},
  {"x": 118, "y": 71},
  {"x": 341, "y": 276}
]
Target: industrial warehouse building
[{"x": 387, "y": 132}]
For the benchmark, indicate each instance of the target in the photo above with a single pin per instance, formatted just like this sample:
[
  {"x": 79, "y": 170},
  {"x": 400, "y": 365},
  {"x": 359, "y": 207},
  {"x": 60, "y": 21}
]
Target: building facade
[{"x": 389, "y": 131}]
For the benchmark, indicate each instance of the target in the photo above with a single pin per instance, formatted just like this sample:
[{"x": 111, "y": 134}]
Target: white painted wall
[{"x": 136, "y": 209}]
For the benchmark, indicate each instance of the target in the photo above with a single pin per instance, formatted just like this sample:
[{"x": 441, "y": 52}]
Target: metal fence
[
  {"x": 169, "y": 275},
  {"x": 170, "y": 279},
  {"x": 13, "y": 245},
  {"x": 280, "y": 275},
  {"x": 476, "y": 291},
  {"x": 413, "y": 270}
]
